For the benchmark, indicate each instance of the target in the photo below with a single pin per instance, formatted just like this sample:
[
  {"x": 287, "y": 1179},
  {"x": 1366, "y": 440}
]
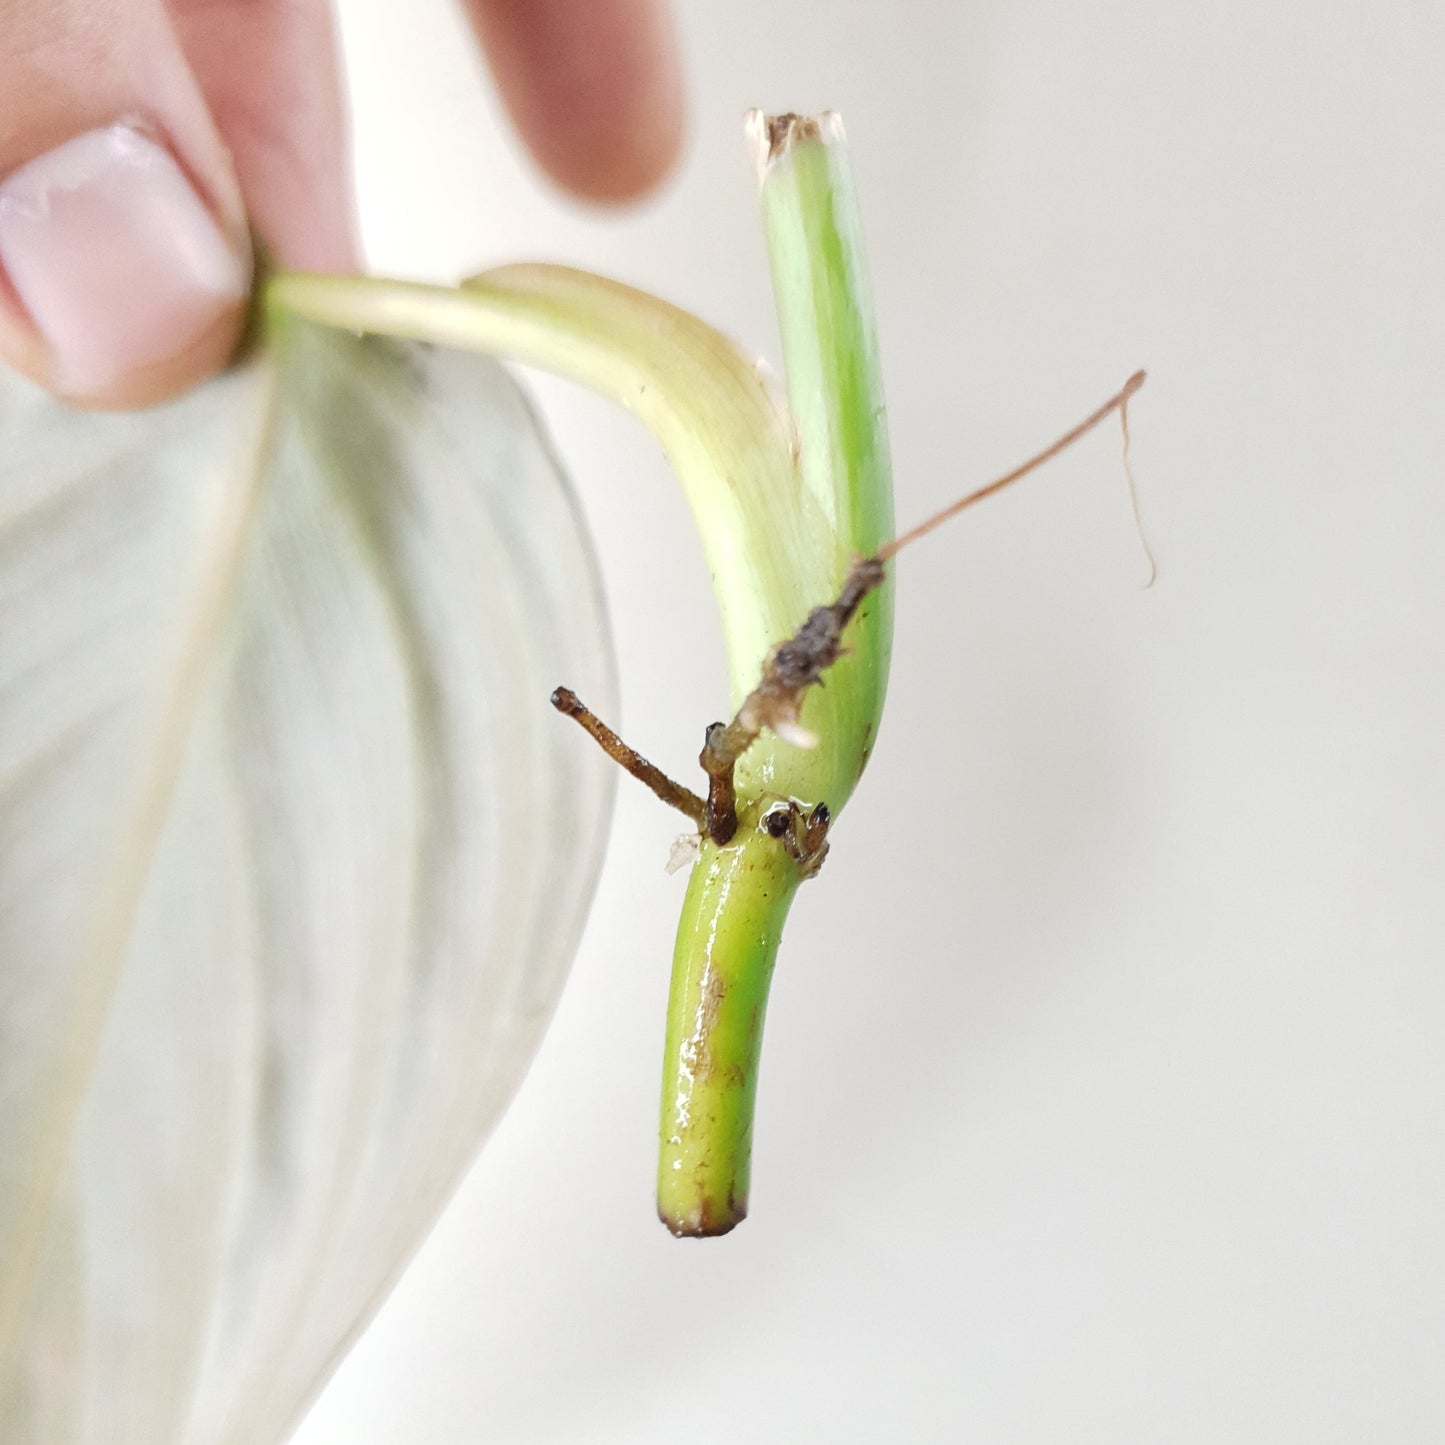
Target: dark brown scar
[{"x": 777, "y": 701}]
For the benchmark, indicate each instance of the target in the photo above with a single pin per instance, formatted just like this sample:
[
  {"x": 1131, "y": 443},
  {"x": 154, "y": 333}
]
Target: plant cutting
[
  {"x": 786, "y": 491},
  {"x": 302, "y": 850}
]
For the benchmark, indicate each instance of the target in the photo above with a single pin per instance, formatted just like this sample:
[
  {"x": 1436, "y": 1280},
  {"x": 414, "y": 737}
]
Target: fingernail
[{"x": 114, "y": 256}]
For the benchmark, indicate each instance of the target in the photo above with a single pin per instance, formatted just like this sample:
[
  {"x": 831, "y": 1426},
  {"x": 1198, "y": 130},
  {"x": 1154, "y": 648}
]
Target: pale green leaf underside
[{"x": 293, "y": 856}]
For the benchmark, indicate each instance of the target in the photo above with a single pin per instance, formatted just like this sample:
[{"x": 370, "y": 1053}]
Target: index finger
[{"x": 593, "y": 86}]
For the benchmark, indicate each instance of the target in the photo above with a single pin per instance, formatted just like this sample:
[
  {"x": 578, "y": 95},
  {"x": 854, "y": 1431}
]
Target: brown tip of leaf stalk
[
  {"x": 773, "y": 136},
  {"x": 785, "y": 130}
]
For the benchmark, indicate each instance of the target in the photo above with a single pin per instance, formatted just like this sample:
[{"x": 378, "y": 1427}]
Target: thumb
[{"x": 124, "y": 262}]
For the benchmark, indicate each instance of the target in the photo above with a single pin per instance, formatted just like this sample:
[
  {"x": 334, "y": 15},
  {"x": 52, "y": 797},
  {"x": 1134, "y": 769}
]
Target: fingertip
[
  {"x": 611, "y": 171},
  {"x": 143, "y": 386},
  {"x": 120, "y": 287},
  {"x": 594, "y": 87},
  {"x": 269, "y": 75}
]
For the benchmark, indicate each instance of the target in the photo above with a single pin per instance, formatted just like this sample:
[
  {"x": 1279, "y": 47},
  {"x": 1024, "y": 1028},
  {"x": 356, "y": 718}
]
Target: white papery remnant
[
  {"x": 683, "y": 853},
  {"x": 246, "y": 1052}
]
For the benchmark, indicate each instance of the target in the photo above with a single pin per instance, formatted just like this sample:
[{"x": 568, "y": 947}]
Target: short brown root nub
[{"x": 673, "y": 794}]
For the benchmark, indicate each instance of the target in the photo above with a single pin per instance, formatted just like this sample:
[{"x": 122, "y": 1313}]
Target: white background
[{"x": 1102, "y": 1093}]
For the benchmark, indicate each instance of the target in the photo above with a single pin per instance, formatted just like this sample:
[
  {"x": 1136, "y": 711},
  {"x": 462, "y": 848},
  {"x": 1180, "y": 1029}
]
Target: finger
[
  {"x": 593, "y": 86},
  {"x": 124, "y": 262},
  {"x": 268, "y": 71}
]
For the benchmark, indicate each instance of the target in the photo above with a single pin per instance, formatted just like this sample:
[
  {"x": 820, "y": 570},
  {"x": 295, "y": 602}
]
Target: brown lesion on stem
[
  {"x": 798, "y": 664},
  {"x": 776, "y": 702}
]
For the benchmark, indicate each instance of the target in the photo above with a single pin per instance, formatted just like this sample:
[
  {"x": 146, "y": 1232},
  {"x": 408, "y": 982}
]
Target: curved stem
[{"x": 732, "y": 919}]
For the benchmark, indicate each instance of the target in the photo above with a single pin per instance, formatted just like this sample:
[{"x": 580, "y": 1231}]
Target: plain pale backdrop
[{"x": 1103, "y": 1097}]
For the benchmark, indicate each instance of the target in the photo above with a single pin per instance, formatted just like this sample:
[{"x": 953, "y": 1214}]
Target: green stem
[
  {"x": 814, "y": 235},
  {"x": 732, "y": 920},
  {"x": 738, "y": 897}
]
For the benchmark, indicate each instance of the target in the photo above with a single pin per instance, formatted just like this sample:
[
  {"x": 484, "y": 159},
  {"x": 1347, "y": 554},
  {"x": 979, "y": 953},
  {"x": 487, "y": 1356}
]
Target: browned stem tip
[
  {"x": 787, "y": 130},
  {"x": 706, "y": 1225}
]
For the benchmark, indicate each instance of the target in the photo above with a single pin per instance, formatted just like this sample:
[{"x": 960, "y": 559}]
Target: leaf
[{"x": 293, "y": 857}]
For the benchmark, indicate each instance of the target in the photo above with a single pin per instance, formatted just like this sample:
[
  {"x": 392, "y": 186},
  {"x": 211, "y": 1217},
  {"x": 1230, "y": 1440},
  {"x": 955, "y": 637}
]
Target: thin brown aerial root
[{"x": 1118, "y": 402}]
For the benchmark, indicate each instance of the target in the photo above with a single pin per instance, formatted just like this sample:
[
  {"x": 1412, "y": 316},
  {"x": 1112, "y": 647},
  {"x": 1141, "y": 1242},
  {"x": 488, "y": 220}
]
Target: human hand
[{"x": 143, "y": 141}]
